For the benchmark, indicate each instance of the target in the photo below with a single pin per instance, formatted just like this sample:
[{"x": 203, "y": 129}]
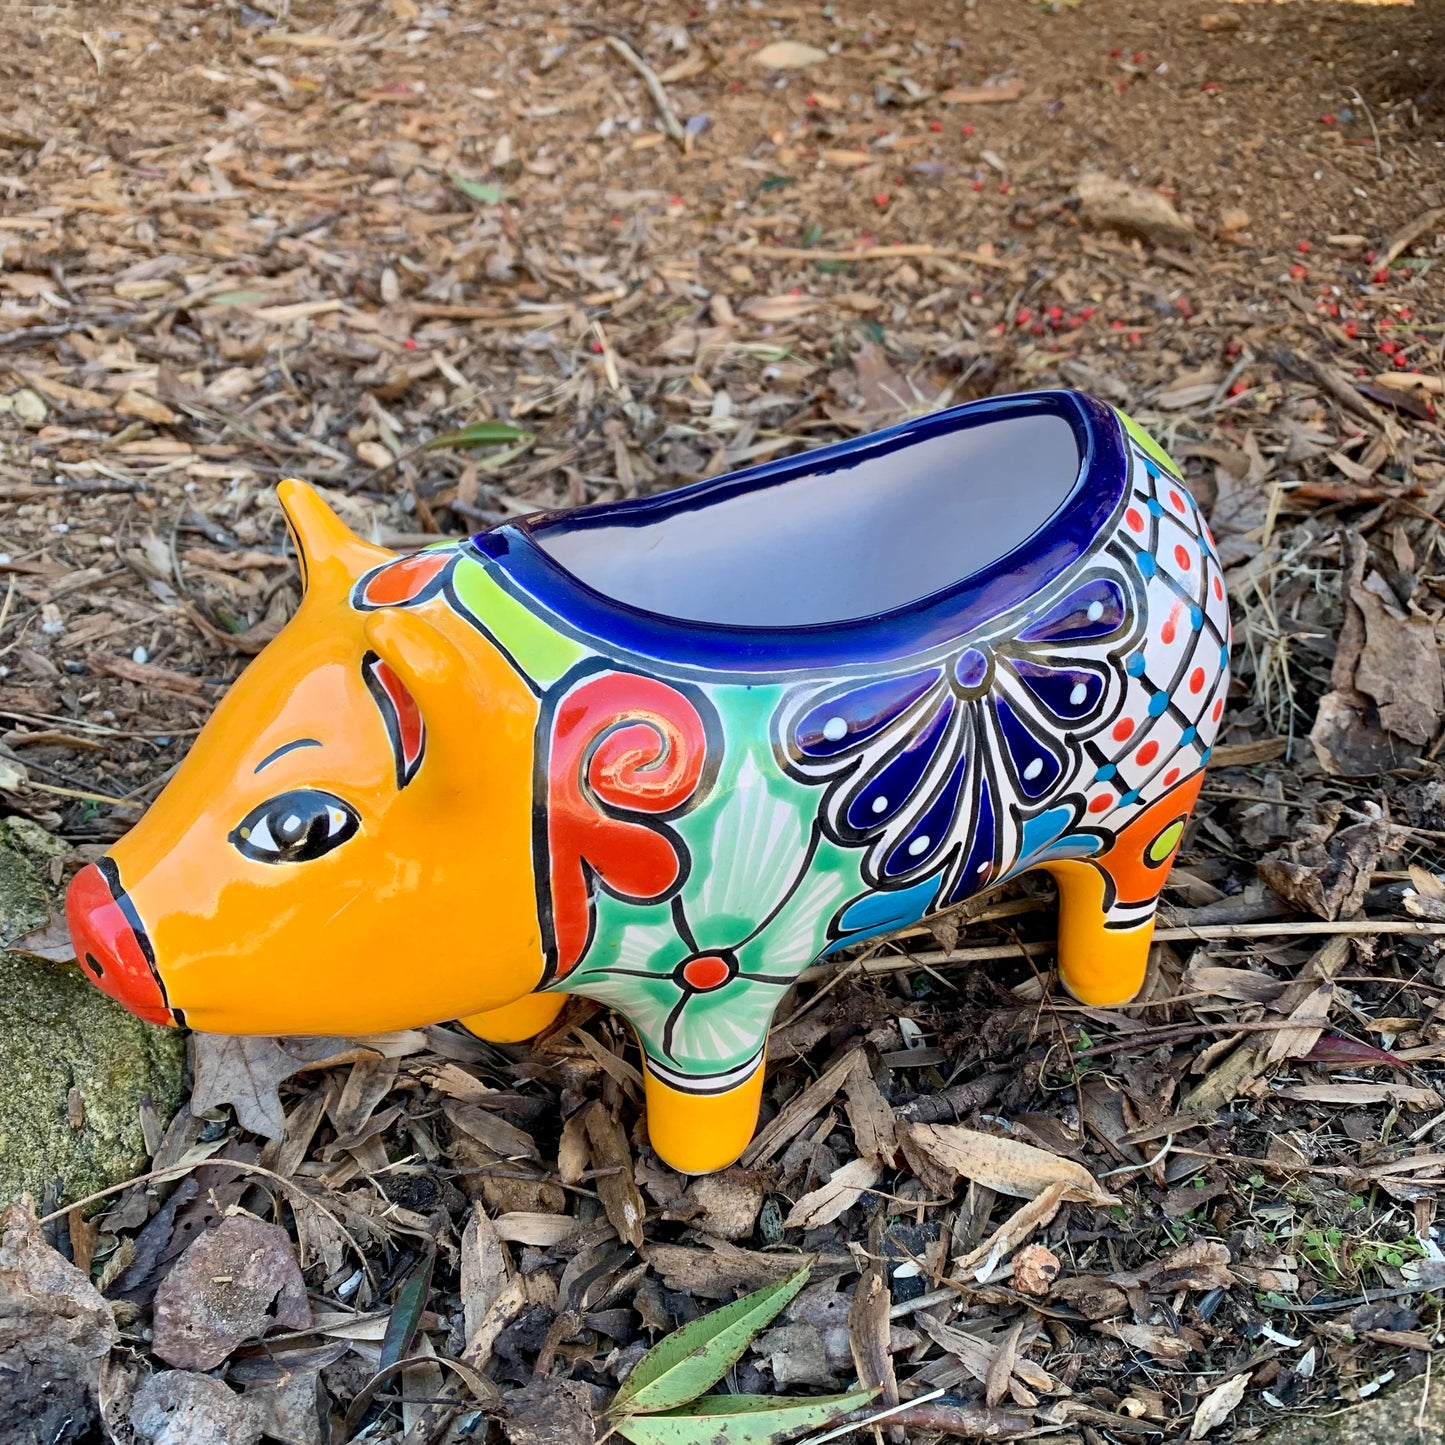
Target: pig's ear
[
  {"x": 330, "y": 554},
  {"x": 436, "y": 686}
]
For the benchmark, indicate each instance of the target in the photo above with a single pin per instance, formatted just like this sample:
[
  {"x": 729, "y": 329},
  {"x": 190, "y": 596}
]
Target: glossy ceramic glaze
[{"x": 667, "y": 753}]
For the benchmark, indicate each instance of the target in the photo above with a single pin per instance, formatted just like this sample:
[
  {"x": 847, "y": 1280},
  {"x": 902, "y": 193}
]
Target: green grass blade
[
  {"x": 740, "y": 1419},
  {"x": 479, "y": 434},
  {"x": 478, "y": 190},
  {"x": 693, "y": 1359}
]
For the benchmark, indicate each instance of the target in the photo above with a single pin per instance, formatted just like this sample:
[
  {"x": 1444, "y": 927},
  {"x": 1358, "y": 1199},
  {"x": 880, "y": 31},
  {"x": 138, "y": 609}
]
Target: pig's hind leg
[
  {"x": 514, "y": 1023},
  {"x": 1106, "y": 903}
]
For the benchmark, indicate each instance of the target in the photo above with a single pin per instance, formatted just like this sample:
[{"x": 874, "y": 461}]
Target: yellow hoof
[
  {"x": 515, "y": 1022},
  {"x": 698, "y": 1133}
]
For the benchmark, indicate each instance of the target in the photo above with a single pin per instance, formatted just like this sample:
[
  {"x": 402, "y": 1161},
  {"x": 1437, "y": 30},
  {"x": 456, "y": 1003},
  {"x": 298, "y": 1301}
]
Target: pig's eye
[{"x": 295, "y": 827}]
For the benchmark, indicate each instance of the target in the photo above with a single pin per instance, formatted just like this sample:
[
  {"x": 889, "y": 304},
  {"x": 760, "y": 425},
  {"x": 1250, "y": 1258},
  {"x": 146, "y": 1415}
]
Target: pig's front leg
[
  {"x": 698, "y": 1133},
  {"x": 515, "y": 1022}
]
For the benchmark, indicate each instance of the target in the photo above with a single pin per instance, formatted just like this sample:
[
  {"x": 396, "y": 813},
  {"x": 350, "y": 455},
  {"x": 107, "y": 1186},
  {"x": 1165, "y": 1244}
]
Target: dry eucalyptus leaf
[
  {"x": 844, "y": 1188},
  {"x": 1163, "y": 1342},
  {"x": 232, "y": 1284},
  {"x": 1217, "y": 1406},
  {"x": 1329, "y": 880},
  {"x": 947, "y": 1153},
  {"x": 789, "y": 55}
]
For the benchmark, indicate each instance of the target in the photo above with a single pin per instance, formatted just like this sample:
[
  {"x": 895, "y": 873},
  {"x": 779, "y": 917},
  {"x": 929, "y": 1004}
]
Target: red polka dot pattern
[
  {"x": 1147, "y": 754},
  {"x": 1123, "y": 730}
]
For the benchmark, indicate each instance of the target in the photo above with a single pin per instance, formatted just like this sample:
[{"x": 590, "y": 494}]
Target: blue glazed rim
[{"x": 530, "y": 572}]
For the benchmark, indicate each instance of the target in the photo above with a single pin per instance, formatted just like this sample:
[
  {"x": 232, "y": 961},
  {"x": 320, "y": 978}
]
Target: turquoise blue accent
[
  {"x": 883, "y": 912},
  {"x": 1196, "y": 618},
  {"x": 1158, "y": 704},
  {"x": 1154, "y": 508},
  {"x": 1224, "y": 657},
  {"x": 1135, "y": 665},
  {"x": 1146, "y": 563},
  {"x": 1186, "y": 737},
  {"x": 1105, "y": 773},
  {"x": 1205, "y": 758},
  {"x": 1039, "y": 832},
  {"x": 1132, "y": 796}
]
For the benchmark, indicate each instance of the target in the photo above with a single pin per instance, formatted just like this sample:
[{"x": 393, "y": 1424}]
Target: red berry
[
  {"x": 1211, "y": 87},
  {"x": 1115, "y": 53},
  {"x": 966, "y": 130},
  {"x": 1327, "y": 119},
  {"x": 1232, "y": 346},
  {"x": 1402, "y": 361},
  {"x": 1384, "y": 323},
  {"x": 1117, "y": 324},
  {"x": 1138, "y": 57},
  {"x": 1239, "y": 388},
  {"x": 1382, "y": 275},
  {"x": 1369, "y": 257},
  {"x": 1056, "y": 314},
  {"x": 1004, "y": 188},
  {"x": 977, "y": 184},
  {"x": 1304, "y": 247},
  {"x": 1023, "y": 316},
  {"x": 410, "y": 343},
  {"x": 1298, "y": 272},
  {"x": 1352, "y": 329},
  {"x": 1405, "y": 313},
  {"x": 1388, "y": 347},
  {"x": 1086, "y": 312},
  {"x": 881, "y": 200},
  {"x": 935, "y": 125}
]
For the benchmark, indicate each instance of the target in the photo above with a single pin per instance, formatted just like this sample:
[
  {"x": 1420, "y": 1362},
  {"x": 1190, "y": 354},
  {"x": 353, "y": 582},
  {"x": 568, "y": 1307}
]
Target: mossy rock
[
  {"x": 57, "y": 1033},
  {"x": 1394, "y": 1419}
]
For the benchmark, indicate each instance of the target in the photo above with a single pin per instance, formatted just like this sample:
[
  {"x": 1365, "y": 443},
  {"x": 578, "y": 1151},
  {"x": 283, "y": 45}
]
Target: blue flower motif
[{"x": 933, "y": 769}]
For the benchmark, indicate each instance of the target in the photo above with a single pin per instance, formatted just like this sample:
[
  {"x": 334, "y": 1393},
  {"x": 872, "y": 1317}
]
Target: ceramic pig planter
[{"x": 667, "y": 753}]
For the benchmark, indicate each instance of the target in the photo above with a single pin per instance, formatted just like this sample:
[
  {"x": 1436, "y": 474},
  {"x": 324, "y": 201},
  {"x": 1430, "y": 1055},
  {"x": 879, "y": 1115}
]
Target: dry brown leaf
[
  {"x": 952, "y": 1152},
  {"x": 1426, "y": 897},
  {"x": 1163, "y": 1342},
  {"x": 845, "y": 1186},
  {"x": 542, "y": 1230},
  {"x": 147, "y": 408},
  {"x": 779, "y": 308},
  {"x": 789, "y": 55},
  {"x": 246, "y": 1071},
  {"x": 1217, "y": 1406}
]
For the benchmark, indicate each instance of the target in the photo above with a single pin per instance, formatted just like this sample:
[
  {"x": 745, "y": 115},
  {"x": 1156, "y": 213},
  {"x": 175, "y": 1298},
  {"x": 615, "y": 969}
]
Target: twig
[
  {"x": 866, "y": 253},
  {"x": 668, "y": 116},
  {"x": 1200, "y": 933},
  {"x": 871, "y": 1419},
  {"x": 175, "y": 1171}
]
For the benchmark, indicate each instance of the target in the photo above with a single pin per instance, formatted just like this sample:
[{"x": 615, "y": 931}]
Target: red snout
[{"x": 111, "y": 944}]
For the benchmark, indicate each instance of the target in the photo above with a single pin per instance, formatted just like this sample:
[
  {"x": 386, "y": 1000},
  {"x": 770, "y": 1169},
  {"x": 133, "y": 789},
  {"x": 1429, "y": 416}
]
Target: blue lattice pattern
[{"x": 1179, "y": 672}]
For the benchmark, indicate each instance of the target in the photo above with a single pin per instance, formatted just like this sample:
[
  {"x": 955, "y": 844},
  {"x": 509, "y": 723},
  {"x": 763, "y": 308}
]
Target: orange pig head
[{"x": 347, "y": 847}]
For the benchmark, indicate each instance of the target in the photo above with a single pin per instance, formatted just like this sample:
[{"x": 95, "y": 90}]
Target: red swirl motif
[{"x": 621, "y": 743}]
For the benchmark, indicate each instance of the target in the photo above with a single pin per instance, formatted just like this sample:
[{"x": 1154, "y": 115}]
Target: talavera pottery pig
[{"x": 666, "y": 753}]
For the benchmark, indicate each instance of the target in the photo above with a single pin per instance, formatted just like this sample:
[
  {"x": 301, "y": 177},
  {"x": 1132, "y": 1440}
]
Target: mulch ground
[{"x": 302, "y": 240}]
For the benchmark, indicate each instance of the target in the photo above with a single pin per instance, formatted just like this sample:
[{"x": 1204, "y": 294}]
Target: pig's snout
[{"x": 111, "y": 944}]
